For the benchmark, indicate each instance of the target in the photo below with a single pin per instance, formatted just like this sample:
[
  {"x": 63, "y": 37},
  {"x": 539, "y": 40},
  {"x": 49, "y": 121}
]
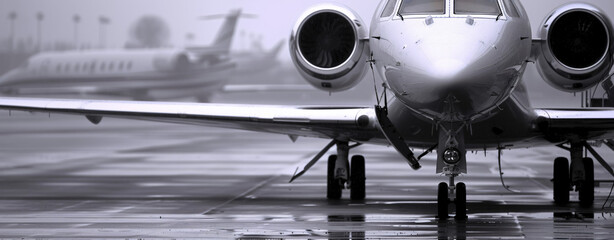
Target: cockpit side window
[
  {"x": 511, "y": 8},
  {"x": 519, "y": 7},
  {"x": 389, "y": 8},
  {"x": 422, "y": 7},
  {"x": 477, "y": 7}
]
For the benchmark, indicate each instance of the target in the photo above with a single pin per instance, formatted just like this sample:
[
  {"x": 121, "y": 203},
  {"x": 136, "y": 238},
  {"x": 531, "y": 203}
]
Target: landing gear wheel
[
  {"x": 442, "y": 200},
  {"x": 333, "y": 189},
  {"x": 357, "y": 176},
  {"x": 587, "y": 191},
  {"x": 561, "y": 181},
  {"x": 461, "y": 201}
]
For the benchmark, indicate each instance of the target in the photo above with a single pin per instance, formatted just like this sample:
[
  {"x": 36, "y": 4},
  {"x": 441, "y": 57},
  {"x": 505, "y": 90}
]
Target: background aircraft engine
[
  {"x": 576, "y": 47},
  {"x": 330, "y": 47},
  {"x": 172, "y": 62}
]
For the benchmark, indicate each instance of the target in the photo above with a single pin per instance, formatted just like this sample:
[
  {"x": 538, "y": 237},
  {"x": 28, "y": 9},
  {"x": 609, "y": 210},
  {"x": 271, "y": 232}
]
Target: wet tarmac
[{"x": 61, "y": 177}]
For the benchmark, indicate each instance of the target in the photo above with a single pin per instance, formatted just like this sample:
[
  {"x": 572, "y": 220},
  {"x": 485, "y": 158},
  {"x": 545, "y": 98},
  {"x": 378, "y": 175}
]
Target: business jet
[
  {"x": 141, "y": 74},
  {"x": 256, "y": 59},
  {"x": 453, "y": 71}
]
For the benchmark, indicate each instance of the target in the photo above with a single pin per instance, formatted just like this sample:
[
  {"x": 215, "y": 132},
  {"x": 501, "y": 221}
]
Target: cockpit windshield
[
  {"x": 477, "y": 7},
  {"x": 422, "y": 7}
]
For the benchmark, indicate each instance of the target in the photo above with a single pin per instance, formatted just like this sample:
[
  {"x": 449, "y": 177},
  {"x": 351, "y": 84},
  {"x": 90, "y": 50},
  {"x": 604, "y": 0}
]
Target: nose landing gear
[
  {"x": 444, "y": 198},
  {"x": 451, "y": 161}
]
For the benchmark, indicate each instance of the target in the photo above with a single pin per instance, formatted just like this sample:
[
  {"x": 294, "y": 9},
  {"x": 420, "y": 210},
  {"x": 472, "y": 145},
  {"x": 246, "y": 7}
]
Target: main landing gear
[
  {"x": 578, "y": 175},
  {"x": 341, "y": 174}
]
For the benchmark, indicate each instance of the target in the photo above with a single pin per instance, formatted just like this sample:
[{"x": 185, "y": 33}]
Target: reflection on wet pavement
[{"x": 128, "y": 179}]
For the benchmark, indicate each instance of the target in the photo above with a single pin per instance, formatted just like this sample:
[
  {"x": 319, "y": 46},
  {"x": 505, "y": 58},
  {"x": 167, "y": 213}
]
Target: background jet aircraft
[
  {"x": 143, "y": 74},
  {"x": 452, "y": 73},
  {"x": 256, "y": 59},
  {"x": 258, "y": 64}
]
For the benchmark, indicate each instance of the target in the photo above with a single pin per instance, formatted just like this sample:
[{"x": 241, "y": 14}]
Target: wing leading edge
[
  {"x": 588, "y": 123},
  {"x": 342, "y": 123}
]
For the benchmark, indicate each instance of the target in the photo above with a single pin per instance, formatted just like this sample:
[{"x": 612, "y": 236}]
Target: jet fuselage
[
  {"x": 451, "y": 67},
  {"x": 157, "y": 73}
]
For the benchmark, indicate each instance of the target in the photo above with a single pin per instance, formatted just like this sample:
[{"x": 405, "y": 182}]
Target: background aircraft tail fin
[
  {"x": 225, "y": 36},
  {"x": 272, "y": 54}
]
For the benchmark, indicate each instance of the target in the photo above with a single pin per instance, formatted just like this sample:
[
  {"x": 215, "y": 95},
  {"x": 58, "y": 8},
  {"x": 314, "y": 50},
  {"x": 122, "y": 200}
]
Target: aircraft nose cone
[
  {"x": 450, "y": 59},
  {"x": 447, "y": 69}
]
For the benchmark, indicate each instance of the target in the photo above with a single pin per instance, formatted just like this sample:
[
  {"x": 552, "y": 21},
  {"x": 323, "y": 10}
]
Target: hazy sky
[
  {"x": 275, "y": 18},
  {"x": 275, "y": 21}
]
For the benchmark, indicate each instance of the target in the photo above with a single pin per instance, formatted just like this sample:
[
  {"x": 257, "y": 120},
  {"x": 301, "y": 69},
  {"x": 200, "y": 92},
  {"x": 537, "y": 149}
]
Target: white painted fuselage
[
  {"x": 451, "y": 67},
  {"x": 138, "y": 74}
]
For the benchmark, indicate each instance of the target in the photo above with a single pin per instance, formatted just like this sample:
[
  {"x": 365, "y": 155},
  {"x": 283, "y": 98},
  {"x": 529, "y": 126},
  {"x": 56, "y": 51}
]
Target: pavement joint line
[
  {"x": 544, "y": 187},
  {"x": 242, "y": 195},
  {"x": 249, "y": 191}
]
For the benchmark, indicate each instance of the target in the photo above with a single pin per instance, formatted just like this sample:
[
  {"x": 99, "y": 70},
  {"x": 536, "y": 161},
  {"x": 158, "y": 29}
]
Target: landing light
[{"x": 451, "y": 156}]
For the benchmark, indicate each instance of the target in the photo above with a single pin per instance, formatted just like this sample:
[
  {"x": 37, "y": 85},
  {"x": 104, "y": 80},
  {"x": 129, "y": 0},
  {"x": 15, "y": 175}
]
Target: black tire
[
  {"x": 333, "y": 189},
  {"x": 561, "y": 181},
  {"x": 357, "y": 176},
  {"x": 461, "y": 201},
  {"x": 586, "y": 194},
  {"x": 442, "y": 200}
]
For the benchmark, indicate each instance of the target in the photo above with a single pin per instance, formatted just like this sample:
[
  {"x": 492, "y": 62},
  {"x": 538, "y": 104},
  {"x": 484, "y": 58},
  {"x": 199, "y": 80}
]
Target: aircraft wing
[
  {"x": 347, "y": 123},
  {"x": 593, "y": 123}
]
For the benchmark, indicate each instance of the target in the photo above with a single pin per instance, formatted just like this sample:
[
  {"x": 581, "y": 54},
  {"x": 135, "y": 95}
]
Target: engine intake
[
  {"x": 576, "y": 49},
  {"x": 330, "y": 46}
]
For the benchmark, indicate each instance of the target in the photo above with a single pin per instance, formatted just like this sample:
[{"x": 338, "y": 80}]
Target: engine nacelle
[
  {"x": 171, "y": 61},
  {"x": 330, "y": 47},
  {"x": 576, "y": 48}
]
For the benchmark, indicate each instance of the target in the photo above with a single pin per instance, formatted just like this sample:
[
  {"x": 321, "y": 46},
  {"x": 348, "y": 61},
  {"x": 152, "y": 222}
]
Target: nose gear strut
[{"x": 451, "y": 161}]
